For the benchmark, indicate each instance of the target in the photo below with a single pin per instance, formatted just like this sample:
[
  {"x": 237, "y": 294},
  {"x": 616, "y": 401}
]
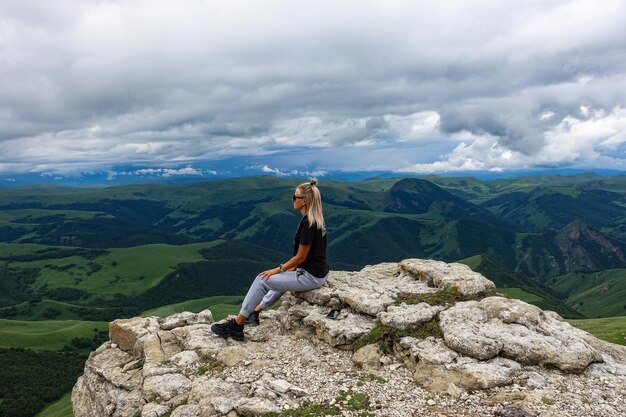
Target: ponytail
[{"x": 313, "y": 200}]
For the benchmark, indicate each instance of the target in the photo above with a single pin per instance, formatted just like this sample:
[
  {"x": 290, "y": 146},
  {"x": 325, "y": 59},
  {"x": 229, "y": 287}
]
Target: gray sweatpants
[{"x": 267, "y": 291}]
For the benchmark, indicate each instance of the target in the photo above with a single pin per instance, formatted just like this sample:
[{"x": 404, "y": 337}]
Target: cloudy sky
[{"x": 294, "y": 86}]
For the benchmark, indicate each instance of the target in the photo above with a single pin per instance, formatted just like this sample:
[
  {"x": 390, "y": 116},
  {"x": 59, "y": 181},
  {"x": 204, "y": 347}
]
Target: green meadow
[
  {"x": 611, "y": 329},
  {"x": 595, "y": 294},
  {"x": 520, "y": 294},
  {"x": 45, "y": 335},
  {"x": 60, "y": 408},
  {"x": 129, "y": 271}
]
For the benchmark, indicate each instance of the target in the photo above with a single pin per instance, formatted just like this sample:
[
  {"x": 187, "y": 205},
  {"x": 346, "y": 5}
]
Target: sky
[{"x": 309, "y": 87}]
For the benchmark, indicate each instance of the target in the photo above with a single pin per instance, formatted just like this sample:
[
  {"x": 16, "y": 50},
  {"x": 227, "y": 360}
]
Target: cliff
[{"x": 417, "y": 337}]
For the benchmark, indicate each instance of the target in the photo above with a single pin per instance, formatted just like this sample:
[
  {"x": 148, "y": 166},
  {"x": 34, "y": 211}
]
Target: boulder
[
  {"x": 408, "y": 317},
  {"x": 442, "y": 274},
  {"x": 517, "y": 330},
  {"x": 126, "y": 332},
  {"x": 165, "y": 387},
  {"x": 186, "y": 318},
  {"x": 368, "y": 357}
]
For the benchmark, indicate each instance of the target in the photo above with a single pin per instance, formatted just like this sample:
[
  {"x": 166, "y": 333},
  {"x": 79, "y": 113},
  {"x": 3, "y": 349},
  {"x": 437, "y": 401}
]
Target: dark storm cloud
[{"x": 92, "y": 82}]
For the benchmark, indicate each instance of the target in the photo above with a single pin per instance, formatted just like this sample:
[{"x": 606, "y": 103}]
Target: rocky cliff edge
[{"x": 418, "y": 337}]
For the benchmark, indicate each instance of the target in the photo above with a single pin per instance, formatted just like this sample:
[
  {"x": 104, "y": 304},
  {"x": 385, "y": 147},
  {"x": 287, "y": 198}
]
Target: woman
[{"x": 306, "y": 270}]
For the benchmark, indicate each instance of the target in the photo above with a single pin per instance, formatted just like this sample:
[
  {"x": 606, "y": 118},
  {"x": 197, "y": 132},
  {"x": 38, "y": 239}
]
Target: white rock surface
[
  {"x": 298, "y": 356},
  {"x": 443, "y": 274},
  {"x": 514, "y": 329},
  {"x": 408, "y": 317}
]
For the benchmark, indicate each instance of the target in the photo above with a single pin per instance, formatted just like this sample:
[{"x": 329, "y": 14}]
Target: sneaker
[
  {"x": 253, "y": 318},
  {"x": 227, "y": 329}
]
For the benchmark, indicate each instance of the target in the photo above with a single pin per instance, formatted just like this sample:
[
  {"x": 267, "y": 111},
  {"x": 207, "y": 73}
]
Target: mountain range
[
  {"x": 539, "y": 228},
  {"x": 74, "y": 258}
]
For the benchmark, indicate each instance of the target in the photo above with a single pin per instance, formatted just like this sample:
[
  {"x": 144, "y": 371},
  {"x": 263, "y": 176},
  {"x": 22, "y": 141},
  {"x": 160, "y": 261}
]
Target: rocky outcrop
[{"x": 395, "y": 358}]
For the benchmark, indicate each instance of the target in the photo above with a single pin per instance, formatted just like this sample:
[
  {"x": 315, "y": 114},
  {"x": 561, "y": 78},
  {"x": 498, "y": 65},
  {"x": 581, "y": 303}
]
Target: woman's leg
[
  {"x": 270, "y": 298},
  {"x": 298, "y": 280}
]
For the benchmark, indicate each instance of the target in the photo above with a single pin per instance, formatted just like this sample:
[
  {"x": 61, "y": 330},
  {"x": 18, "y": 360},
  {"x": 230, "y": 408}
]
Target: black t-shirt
[{"x": 316, "y": 262}]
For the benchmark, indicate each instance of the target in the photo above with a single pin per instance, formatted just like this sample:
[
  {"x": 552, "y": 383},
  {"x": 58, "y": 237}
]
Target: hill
[
  {"x": 594, "y": 294},
  {"x": 46, "y": 283},
  {"x": 520, "y": 287},
  {"x": 123, "y": 237}
]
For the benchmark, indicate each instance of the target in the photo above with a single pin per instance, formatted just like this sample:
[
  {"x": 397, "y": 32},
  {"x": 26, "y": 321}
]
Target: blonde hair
[{"x": 313, "y": 200}]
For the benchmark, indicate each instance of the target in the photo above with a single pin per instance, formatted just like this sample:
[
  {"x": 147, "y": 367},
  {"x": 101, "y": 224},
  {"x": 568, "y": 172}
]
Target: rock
[
  {"x": 368, "y": 357},
  {"x": 514, "y": 329},
  {"x": 279, "y": 385},
  {"x": 250, "y": 407},
  {"x": 486, "y": 374},
  {"x": 407, "y": 317},
  {"x": 126, "y": 332},
  {"x": 453, "y": 390},
  {"x": 154, "y": 410},
  {"x": 469, "y": 374},
  {"x": 369, "y": 291},
  {"x": 151, "y": 347},
  {"x": 222, "y": 395},
  {"x": 185, "y": 359},
  {"x": 231, "y": 355},
  {"x": 181, "y": 367},
  {"x": 187, "y": 411},
  {"x": 443, "y": 274},
  {"x": 131, "y": 366},
  {"x": 166, "y": 386},
  {"x": 94, "y": 395},
  {"x": 430, "y": 351},
  {"x": 200, "y": 337},
  {"x": 341, "y": 332},
  {"x": 514, "y": 411},
  {"x": 185, "y": 319}
]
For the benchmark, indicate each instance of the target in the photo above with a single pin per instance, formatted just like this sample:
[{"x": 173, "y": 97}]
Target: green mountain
[
  {"x": 576, "y": 247},
  {"x": 594, "y": 294},
  {"x": 94, "y": 242},
  {"x": 521, "y": 287}
]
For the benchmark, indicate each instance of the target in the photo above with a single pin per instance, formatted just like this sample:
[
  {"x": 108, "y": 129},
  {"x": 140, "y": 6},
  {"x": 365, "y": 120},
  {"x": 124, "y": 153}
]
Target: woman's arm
[{"x": 303, "y": 251}]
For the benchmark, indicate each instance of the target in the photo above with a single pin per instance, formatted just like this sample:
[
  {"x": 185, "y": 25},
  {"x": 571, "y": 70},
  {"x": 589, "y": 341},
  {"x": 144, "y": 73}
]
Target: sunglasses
[{"x": 297, "y": 196}]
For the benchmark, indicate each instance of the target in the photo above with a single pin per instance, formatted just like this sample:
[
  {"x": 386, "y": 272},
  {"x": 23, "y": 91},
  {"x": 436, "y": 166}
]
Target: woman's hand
[{"x": 269, "y": 273}]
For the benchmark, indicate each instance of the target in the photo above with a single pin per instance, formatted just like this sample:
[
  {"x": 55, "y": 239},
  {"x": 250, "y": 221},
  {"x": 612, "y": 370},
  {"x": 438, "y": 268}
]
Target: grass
[
  {"x": 445, "y": 296},
  {"x": 128, "y": 271},
  {"x": 520, "y": 294},
  {"x": 354, "y": 400},
  {"x": 595, "y": 294},
  {"x": 26, "y": 215},
  {"x": 473, "y": 261},
  {"x": 45, "y": 335},
  {"x": 36, "y": 311},
  {"x": 59, "y": 408},
  {"x": 310, "y": 410},
  {"x": 386, "y": 336},
  {"x": 611, "y": 329},
  {"x": 372, "y": 377}
]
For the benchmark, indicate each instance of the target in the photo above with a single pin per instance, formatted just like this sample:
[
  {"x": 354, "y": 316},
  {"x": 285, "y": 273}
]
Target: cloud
[
  {"x": 99, "y": 83},
  {"x": 594, "y": 139},
  {"x": 289, "y": 173}
]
